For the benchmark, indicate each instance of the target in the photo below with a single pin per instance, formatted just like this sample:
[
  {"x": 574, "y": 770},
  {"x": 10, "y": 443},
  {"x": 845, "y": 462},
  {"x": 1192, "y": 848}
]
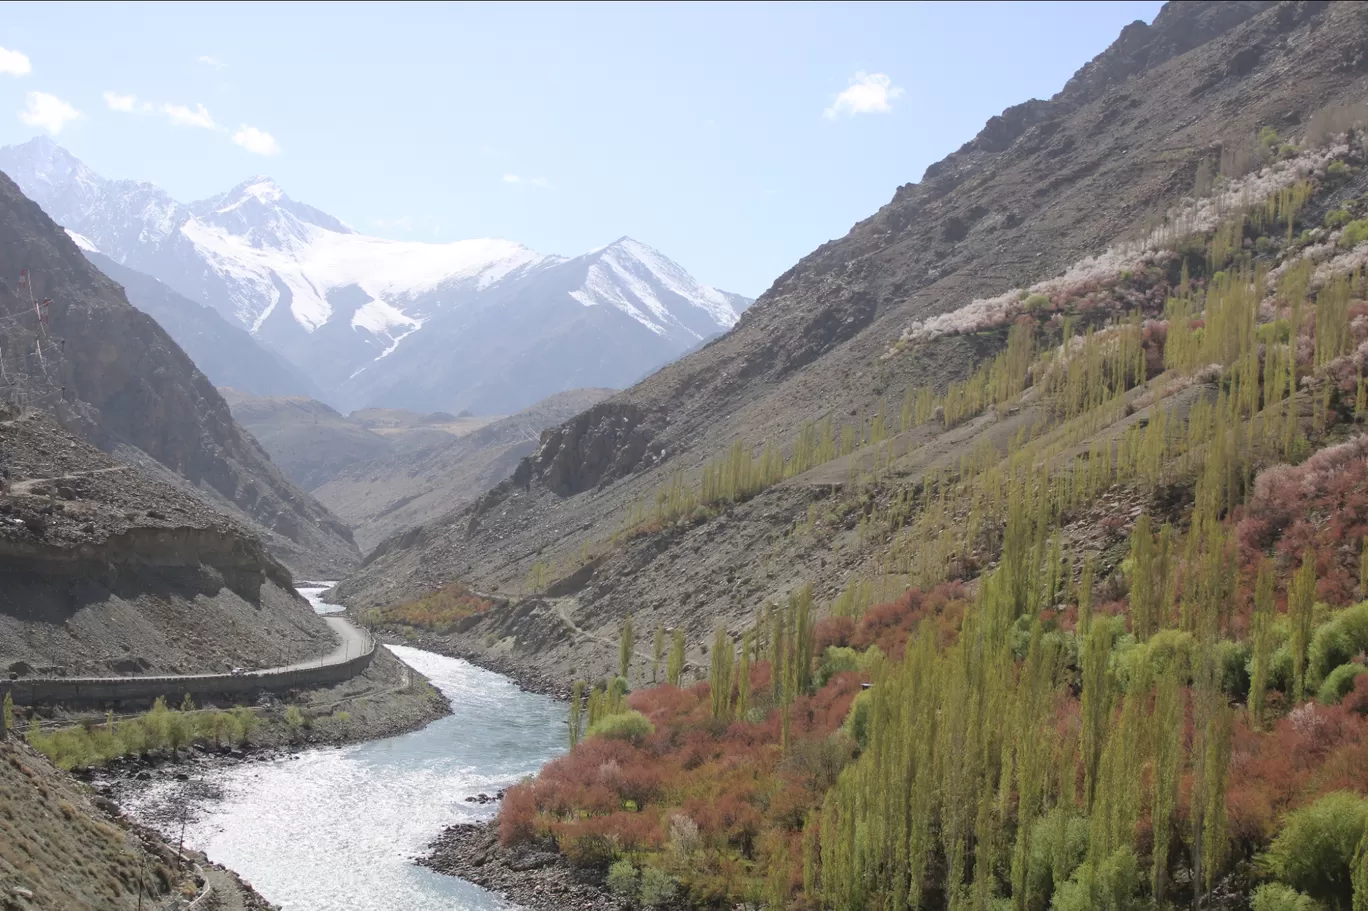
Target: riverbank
[
  {"x": 533, "y": 876},
  {"x": 318, "y": 829},
  {"x": 388, "y": 699}
]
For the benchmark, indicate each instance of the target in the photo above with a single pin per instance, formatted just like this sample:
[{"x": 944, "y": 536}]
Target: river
[{"x": 336, "y": 829}]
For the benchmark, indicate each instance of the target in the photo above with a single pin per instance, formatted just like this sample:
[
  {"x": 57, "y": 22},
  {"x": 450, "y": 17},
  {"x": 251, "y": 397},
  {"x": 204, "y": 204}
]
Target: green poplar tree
[
  {"x": 1096, "y": 705},
  {"x": 576, "y": 712},
  {"x": 675, "y": 670},
  {"x": 1301, "y": 604},
  {"x": 1144, "y": 591},
  {"x": 720, "y": 674},
  {"x": 1264, "y": 610},
  {"x": 625, "y": 647},
  {"x": 1168, "y": 757},
  {"x": 657, "y": 651}
]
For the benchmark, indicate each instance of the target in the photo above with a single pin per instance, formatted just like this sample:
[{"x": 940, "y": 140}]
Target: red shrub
[
  {"x": 517, "y": 815},
  {"x": 833, "y": 631},
  {"x": 1356, "y": 700},
  {"x": 888, "y": 625},
  {"x": 1321, "y": 504}
]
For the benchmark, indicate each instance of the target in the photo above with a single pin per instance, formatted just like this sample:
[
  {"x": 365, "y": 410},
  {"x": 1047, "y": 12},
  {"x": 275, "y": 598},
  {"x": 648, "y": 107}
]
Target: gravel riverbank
[{"x": 534, "y": 877}]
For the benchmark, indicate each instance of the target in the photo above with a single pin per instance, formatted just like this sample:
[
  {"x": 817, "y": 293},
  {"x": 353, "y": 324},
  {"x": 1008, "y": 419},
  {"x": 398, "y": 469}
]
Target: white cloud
[
  {"x": 868, "y": 93},
  {"x": 211, "y": 61},
  {"x": 256, "y": 141},
  {"x": 14, "y": 63},
  {"x": 48, "y": 111},
  {"x": 199, "y": 117},
  {"x": 124, "y": 103},
  {"x": 402, "y": 223},
  {"x": 539, "y": 182}
]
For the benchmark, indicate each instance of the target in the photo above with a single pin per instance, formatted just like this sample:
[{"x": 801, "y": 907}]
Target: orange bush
[{"x": 438, "y": 610}]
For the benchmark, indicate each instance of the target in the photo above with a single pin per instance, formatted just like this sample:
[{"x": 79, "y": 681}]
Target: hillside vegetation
[
  {"x": 1128, "y": 669},
  {"x": 807, "y": 373},
  {"x": 1061, "y": 454}
]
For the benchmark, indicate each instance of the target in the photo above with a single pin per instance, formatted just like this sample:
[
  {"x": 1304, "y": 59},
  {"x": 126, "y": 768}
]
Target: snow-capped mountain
[{"x": 487, "y": 325}]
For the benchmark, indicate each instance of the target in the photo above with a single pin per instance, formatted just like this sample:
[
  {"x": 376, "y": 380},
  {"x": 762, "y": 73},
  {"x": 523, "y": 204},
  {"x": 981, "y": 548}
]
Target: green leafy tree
[
  {"x": 1264, "y": 613},
  {"x": 1301, "y": 603},
  {"x": 576, "y": 712},
  {"x": 1318, "y": 845},
  {"x": 625, "y": 646},
  {"x": 622, "y": 879},
  {"x": 675, "y": 671}
]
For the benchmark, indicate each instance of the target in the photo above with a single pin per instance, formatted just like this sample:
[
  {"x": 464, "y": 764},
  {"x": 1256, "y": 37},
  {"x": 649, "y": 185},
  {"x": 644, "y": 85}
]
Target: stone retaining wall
[{"x": 109, "y": 690}]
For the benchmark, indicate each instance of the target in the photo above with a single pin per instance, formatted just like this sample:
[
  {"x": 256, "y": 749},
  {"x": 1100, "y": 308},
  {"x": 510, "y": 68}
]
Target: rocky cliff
[
  {"x": 108, "y": 569},
  {"x": 112, "y": 376}
]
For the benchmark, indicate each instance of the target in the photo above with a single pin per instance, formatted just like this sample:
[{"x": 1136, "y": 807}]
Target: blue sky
[{"x": 734, "y": 138}]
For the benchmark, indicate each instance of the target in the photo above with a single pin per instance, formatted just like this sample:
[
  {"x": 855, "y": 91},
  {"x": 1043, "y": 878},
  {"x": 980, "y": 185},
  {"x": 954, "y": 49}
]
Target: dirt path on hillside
[{"x": 27, "y": 484}]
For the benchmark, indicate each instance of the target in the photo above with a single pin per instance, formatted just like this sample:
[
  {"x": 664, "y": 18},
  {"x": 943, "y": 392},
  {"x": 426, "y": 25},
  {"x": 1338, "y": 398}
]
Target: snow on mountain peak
[
  {"x": 650, "y": 287},
  {"x": 82, "y": 241},
  {"x": 262, "y": 189},
  {"x": 343, "y": 302}
]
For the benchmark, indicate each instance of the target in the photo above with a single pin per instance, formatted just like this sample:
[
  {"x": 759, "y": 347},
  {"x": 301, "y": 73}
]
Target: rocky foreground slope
[
  {"x": 113, "y": 377},
  {"x": 110, "y": 571},
  {"x": 62, "y": 848},
  {"x": 1043, "y": 186}
]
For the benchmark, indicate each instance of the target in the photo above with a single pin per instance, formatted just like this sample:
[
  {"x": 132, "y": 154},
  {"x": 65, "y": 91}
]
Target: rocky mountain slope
[
  {"x": 109, "y": 570},
  {"x": 1043, "y": 186},
  {"x": 63, "y": 847},
  {"x": 420, "y": 481},
  {"x": 373, "y": 321},
  {"x": 112, "y": 376},
  {"x": 225, "y": 353},
  {"x": 385, "y": 470},
  {"x": 310, "y": 442}
]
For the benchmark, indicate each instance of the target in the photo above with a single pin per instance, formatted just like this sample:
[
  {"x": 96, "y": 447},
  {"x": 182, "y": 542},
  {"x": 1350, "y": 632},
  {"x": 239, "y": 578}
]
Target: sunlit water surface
[
  {"x": 337, "y": 829},
  {"x": 313, "y": 593}
]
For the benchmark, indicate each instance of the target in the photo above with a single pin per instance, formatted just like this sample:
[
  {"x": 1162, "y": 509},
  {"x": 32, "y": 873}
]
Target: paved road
[{"x": 353, "y": 642}]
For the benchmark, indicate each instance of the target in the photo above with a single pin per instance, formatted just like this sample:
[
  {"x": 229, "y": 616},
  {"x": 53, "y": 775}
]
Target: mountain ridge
[
  {"x": 349, "y": 309},
  {"x": 114, "y": 377},
  {"x": 1015, "y": 204}
]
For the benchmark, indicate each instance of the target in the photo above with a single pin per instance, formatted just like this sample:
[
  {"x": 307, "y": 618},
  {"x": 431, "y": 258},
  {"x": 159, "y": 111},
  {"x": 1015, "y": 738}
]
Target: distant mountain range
[
  {"x": 383, "y": 471},
  {"x": 487, "y": 326}
]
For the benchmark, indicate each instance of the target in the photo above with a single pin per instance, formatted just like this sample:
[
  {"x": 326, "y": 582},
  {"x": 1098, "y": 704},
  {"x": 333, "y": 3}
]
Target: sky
[{"x": 734, "y": 138}]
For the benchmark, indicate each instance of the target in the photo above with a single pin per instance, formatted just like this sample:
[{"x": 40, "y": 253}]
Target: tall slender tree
[
  {"x": 625, "y": 647},
  {"x": 675, "y": 670},
  {"x": 1301, "y": 604},
  {"x": 576, "y": 712},
  {"x": 1262, "y": 629},
  {"x": 657, "y": 651}
]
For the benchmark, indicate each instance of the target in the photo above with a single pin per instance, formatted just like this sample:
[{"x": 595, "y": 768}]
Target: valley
[{"x": 1010, "y": 550}]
